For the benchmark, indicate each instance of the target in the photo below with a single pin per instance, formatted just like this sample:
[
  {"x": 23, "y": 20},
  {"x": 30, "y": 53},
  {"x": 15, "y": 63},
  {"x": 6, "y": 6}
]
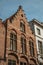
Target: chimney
[{"x": 20, "y": 7}]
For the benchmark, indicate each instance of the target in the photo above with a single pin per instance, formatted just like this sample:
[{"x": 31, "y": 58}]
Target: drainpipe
[{"x": 5, "y": 40}]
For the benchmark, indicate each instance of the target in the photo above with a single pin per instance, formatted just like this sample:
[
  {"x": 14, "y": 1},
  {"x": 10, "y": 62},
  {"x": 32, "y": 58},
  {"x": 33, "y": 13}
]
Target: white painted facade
[{"x": 40, "y": 38}]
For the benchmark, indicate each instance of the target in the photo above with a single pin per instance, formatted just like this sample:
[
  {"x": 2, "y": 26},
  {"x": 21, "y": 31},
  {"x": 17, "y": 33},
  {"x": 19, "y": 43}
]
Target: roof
[
  {"x": 37, "y": 22},
  {"x": 20, "y": 7}
]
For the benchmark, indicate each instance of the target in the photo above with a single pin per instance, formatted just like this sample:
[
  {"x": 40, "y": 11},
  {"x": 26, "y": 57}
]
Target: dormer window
[{"x": 22, "y": 26}]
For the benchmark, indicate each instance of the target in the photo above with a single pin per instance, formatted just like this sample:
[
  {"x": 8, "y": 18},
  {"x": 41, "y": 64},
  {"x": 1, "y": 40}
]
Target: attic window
[
  {"x": 22, "y": 15},
  {"x": 11, "y": 20}
]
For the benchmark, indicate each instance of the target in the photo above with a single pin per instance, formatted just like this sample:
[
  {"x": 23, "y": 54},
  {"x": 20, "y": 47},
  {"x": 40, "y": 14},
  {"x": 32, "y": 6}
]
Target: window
[
  {"x": 22, "y": 26},
  {"x": 11, "y": 62},
  {"x": 23, "y": 43},
  {"x": 31, "y": 64},
  {"x": 22, "y": 15},
  {"x": 11, "y": 20},
  {"x": 40, "y": 46},
  {"x": 13, "y": 42},
  {"x": 38, "y": 31},
  {"x": 40, "y": 63},
  {"x": 22, "y": 63},
  {"x": 31, "y": 48}
]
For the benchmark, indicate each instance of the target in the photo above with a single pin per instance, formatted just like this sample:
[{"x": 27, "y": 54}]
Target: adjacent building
[
  {"x": 37, "y": 28},
  {"x": 17, "y": 42}
]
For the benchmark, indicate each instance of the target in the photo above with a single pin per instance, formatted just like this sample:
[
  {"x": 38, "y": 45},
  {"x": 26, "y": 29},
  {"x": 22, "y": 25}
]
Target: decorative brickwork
[{"x": 21, "y": 56}]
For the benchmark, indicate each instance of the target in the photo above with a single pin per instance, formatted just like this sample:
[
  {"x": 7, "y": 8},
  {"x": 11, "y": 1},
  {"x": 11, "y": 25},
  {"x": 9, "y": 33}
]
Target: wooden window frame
[
  {"x": 31, "y": 48},
  {"x": 13, "y": 42},
  {"x": 11, "y": 62},
  {"x": 23, "y": 63},
  {"x": 38, "y": 31},
  {"x": 23, "y": 43},
  {"x": 22, "y": 27}
]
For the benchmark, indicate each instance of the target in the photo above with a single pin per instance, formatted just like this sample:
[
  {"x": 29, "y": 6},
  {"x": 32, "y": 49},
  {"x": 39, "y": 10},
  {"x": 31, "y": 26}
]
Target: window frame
[
  {"x": 31, "y": 46},
  {"x": 13, "y": 42},
  {"x": 11, "y": 62},
  {"x": 22, "y": 26},
  {"x": 23, "y": 44},
  {"x": 41, "y": 48},
  {"x": 23, "y": 63},
  {"x": 38, "y": 31}
]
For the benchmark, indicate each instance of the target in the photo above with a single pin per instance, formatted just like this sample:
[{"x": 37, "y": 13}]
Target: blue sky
[{"x": 32, "y": 8}]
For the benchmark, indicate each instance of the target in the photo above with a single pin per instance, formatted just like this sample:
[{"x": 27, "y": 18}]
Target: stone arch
[
  {"x": 13, "y": 30},
  {"x": 22, "y": 35},
  {"x": 26, "y": 59},
  {"x": 22, "y": 21},
  {"x": 31, "y": 39},
  {"x": 15, "y": 55},
  {"x": 32, "y": 60}
]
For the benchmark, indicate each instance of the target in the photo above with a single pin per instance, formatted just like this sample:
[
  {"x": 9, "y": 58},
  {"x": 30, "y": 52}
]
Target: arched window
[
  {"x": 11, "y": 62},
  {"x": 23, "y": 43},
  {"x": 22, "y": 63},
  {"x": 13, "y": 41},
  {"x": 31, "y": 45}
]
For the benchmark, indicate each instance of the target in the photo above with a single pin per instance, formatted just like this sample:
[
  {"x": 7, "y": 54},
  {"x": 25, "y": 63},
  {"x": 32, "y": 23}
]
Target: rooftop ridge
[{"x": 13, "y": 15}]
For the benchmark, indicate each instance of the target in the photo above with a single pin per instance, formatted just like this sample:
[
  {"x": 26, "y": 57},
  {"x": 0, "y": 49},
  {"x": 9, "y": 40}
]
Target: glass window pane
[
  {"x": 22, "y": 27},
  {"x": 23, "y": 43},
  {"x": 13, "y": 42},
  {"x": 38, "y": 31},
  {"x": 40, "y": 46},
  {"x": 11, "y": 62},
  {"x": 14, "y": 45},
  {"x": 21, "y": 63},
  {"x": 31, "y": 48},
  {"x": 24, "y": 63}
]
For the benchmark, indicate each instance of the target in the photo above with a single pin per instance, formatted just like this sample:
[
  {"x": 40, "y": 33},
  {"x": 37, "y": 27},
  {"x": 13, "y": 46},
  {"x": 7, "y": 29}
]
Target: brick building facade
[{"x": 17, "y": 43}]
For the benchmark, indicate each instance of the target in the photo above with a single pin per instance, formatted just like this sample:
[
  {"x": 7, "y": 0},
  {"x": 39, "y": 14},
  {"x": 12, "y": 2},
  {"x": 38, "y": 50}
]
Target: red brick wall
[
  {"x": 2, "y": 39},
  {"x": 16, "y": 26}
]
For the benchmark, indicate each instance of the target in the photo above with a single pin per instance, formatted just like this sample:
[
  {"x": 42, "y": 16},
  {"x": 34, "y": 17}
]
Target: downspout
[{"x": 5, "y": 40}]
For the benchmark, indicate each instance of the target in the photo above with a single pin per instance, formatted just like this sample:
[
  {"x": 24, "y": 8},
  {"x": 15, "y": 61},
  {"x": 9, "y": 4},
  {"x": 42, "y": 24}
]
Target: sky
[{"x": 32, "y": 8}]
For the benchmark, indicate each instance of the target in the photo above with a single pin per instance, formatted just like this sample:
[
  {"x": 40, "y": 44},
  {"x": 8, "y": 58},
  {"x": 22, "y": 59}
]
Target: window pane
[
  {"x": 11, "y": 35},
  {"x": 14, "y": 62},
  {"x": 11, "y": 62},
  {"x": 38, "y": 31},
  {"x": 14, "y": 37},
  {"x": 23, "y": 43},
  {"x": 22, "y": 27},
  {"x": 31, "y": 48},
  {"x": 40, "y": 46},
  {"x": 24, "y": 63},
  {"x": 13, "y": 42},
  {"x": 14, "y": 45},
  {"x": 21, "y": 63}
]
